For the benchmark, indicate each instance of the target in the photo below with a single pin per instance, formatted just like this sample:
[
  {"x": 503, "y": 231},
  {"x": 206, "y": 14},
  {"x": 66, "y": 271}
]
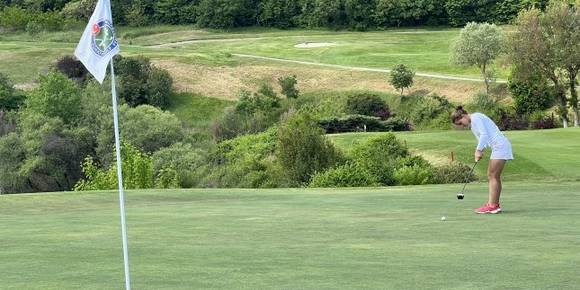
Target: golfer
[{"x": 488, "y": 135}]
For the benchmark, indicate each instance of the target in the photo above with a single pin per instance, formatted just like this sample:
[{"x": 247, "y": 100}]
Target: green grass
[
  {"x": 197, "y": 111},
  {"x": 384, "y": 238},
  {"x": 539, "y": 155},
  {"x": 424, "y": 50}
]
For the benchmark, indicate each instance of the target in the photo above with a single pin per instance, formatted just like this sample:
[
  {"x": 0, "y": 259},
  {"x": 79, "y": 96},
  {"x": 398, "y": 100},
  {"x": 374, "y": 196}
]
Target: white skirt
[{"x": 501, "y": 149}]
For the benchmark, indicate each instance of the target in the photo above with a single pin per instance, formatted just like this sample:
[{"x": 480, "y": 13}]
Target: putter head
[{"x": 460, "y": 195}]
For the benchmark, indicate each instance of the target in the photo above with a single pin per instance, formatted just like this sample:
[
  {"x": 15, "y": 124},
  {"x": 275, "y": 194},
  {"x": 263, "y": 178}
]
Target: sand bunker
[{"x": 314, "y": 44}]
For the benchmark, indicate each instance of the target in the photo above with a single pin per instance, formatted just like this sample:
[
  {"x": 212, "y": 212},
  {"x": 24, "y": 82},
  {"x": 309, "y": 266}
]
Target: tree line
[{"x": 334, "y": 14}]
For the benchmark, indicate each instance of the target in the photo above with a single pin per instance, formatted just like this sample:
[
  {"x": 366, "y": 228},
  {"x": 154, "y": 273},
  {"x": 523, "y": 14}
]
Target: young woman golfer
[{"x": 488, "y": 135}]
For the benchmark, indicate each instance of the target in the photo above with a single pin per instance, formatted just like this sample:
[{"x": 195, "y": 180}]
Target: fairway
[{"x": 378, "y": 238}]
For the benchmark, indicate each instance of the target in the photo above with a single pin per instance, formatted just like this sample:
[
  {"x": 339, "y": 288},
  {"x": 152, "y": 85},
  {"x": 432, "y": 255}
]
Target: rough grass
[{"x": 383, "y": 238}]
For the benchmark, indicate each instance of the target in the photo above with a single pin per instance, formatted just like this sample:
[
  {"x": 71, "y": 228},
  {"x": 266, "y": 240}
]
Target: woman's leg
[{"x": 494, "y": 175}]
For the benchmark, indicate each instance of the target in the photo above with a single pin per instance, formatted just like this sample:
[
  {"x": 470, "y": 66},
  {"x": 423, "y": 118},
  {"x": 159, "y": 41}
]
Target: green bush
[
  {"x": 303, "y": 150},
  {"x": 140, "y": 83},
  {"x": 531, "y": 94},
  {"x": 243, "y": 161},
  {"x": 72, "y": 68},
  {"x": 12, "y": 154},
  {"x": 288, "y": 86},
  {"x": 368, "y": 104},
  {"x": 56, "y": 96},
  {"x": 181, "y": 158},
  {"x": 253, "y": 113},
  {"x": 150, "y": 128},
  {"x": 488, "y": 105},
  {"x": 455, "y": 172},
  {"x": 380, "y": 156},
  {"x": 14, "y": 18},
  {"x": 360, "y": 123},
  {"x": 137, "y": 170},
  {"x": 431, "y": 111},
  {"x": 414, "y": 170},
  {"x": 10, "y": 99},
  {"x": 347, "y": 175}
]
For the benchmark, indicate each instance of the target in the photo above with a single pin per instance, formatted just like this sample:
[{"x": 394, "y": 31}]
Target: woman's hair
[{"x": 458, "y": 114}]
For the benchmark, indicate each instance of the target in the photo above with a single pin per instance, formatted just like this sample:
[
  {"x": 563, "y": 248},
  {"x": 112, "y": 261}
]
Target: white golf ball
[{"x": 443, "y": 218}]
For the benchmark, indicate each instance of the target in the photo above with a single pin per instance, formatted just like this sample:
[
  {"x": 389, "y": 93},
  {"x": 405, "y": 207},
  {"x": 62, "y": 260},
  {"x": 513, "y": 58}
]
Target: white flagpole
[{"x": 120, "y": 180}]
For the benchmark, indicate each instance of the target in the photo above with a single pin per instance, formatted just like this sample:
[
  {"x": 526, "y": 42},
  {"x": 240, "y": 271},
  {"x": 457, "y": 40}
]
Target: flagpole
[{"x": 120, "y": 180}]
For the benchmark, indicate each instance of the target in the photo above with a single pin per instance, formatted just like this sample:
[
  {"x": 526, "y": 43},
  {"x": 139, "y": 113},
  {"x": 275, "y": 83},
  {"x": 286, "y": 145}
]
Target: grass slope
[
  {"x": 422, "y": 49},
  {"x": 539, "y": 155},
  {"x": 388, "y": 238}
]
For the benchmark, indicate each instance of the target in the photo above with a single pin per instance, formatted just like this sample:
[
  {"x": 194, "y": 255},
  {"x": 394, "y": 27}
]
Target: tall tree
[
  {"x": 479, "y": 44},
  {"x": 534, "y": 48},
  {"x": 562, "y": 22}
]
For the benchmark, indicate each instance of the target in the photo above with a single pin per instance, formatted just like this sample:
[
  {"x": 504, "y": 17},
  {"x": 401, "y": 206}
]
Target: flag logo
[{"x": 103, "y": 38}]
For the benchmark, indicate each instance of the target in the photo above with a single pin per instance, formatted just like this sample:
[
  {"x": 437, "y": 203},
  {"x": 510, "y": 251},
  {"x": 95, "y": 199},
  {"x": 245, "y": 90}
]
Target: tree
[
  {"x": 562, "y": 22},
  {"x": 288, "y": 85},
  {"x": 530, "y": 91},
  {"x": 140, "y": 83},
  {"x": 303, "y": 149},
  {"x": 278, "y": 13},
  {"x": 57, "y": 97},
  {"x": 478, "y": 44},
  {"x": 533, "y": 50},
  {"x": 359, "y": 13},
  {"x": 401, "y": 77}
]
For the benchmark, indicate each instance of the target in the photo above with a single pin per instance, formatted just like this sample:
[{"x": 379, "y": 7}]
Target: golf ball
[{"x": 443, "y": 218}]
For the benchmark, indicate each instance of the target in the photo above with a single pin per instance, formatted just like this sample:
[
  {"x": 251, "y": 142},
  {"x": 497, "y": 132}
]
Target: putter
[{"x": 461, "y": 195}]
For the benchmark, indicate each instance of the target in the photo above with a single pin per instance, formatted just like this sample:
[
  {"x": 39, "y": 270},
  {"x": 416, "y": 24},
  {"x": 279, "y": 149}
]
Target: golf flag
[
  {"x": 96, "y": 49},
  {"x": 98, "y": 43}
]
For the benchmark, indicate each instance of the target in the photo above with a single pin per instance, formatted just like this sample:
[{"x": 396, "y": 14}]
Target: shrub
[
  {"x": 14, "y": 18},
  {"x": 142, "y": 84},
  {"x": 12, "y": 154},
  {"x": 368, "y": 104},
  {"x": 359, "y": 123},
  {"x": 531, "y": 94},
  {"x": 72, "y": 68},
  {"x": 243, "y": 161},
  {"x": 150, "y": 128},
  {"x": 413, "y": 175},
  {"x": 414, "y": 170},
  {"x": 181, "y": 158},
  {"x": 303, "y": 149},
  {"x": 137, "y": 172},
  {"x": 79, "y": 10},
  {"x": 380, "y": 156},
  {"x": 10, "y": 99},
  {"x": 57, "y": 96},
  {"x": 401, "y": 77},
  {"x": 454, "y": 172},
  {"x": 509, "y": 120},
  {"x": 539, "y": 120},
  {"x": 488, "y": 105},
  {"x": 253, "y": 113},
  {"x": 347, "y": 175},
  {"x": 430, "y": 111},
  {"x": 288, "y": 86},
  {"x": 7, "y": 122}
]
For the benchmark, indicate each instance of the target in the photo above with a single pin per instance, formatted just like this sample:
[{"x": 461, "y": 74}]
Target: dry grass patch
[{"x": 225, "y": 82}]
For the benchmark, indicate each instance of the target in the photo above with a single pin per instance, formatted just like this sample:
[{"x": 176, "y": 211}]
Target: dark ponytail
[{"x": 458, "y": 114}]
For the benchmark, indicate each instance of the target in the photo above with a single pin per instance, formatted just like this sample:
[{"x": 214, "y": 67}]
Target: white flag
[{"x": 98, "y": 43}]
